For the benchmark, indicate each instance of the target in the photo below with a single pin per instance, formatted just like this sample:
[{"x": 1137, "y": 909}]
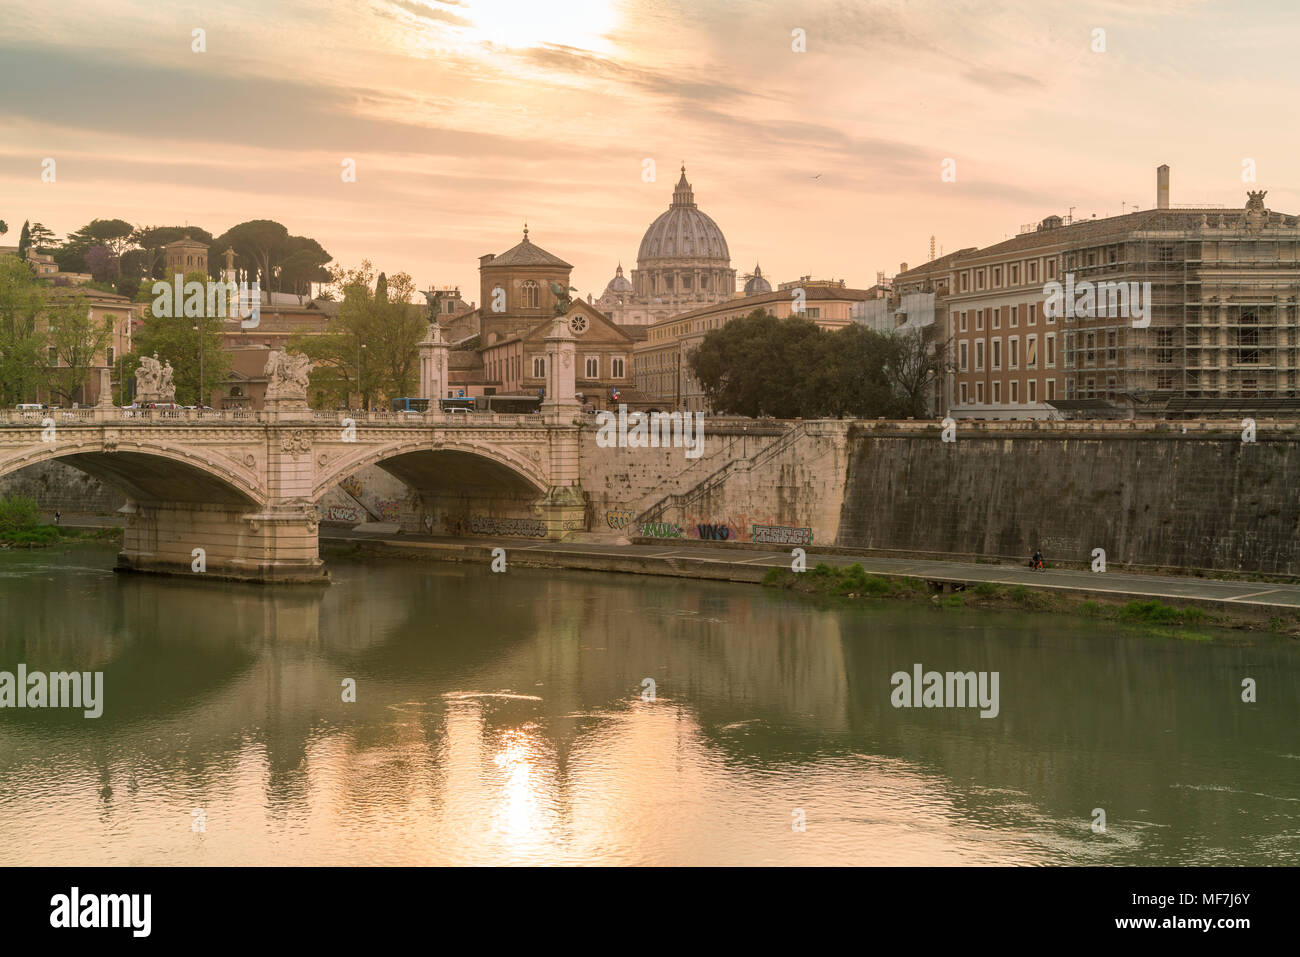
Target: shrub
[
  {"x": 986, "y": 589},
  {"x": 18, "y": 512}
]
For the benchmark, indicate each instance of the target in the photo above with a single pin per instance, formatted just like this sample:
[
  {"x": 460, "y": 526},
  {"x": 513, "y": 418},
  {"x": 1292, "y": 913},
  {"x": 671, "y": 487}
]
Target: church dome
[
  {"x": 756, "y": 285},
  {"x": 618, "y": 286},
  {"x": 683, "y": 232}
]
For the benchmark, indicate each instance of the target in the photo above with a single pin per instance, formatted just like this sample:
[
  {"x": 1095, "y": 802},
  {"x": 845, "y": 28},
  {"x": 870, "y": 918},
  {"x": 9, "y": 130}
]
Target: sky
[{"x": 468, "y": 118}]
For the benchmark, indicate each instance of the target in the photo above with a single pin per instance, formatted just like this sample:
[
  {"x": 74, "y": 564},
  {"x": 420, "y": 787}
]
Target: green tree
[
  {"x": 75, "y": 341},
  {"x": 42, "y": 238},
  {"x": 22, "y": 343},
  {"x": 189, "y": 343},
  {"x": 4, "y": 227},
  {"x": 24, "y": 240}
]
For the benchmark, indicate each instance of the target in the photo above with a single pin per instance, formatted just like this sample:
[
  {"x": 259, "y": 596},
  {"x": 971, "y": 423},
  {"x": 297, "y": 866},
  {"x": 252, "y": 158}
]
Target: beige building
[
  {"x": 117, "y": 310},
  {"x": 1171, "y": 311}
]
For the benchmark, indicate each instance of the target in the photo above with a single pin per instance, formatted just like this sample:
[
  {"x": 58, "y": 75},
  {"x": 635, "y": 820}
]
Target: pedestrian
[{"x": 58, "y": 516}]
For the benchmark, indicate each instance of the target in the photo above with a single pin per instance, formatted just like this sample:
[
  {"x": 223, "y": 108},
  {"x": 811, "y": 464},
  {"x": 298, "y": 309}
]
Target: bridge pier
[{"x": 277, "y": 544}]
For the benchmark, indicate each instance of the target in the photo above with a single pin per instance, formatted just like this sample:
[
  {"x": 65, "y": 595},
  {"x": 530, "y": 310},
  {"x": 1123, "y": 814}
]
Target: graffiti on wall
[
  {"x": 486, "y": 525},
  {"x": 339, "y": 513},
  {"x": 619, "y": 517},
  {"x": 781, "y": 535},
  {"x": 661, "y": 530},
  {"x": 390, "y": 510},
  {"x": 713, "y": 533},
  {"x": 352, "y": 485}
]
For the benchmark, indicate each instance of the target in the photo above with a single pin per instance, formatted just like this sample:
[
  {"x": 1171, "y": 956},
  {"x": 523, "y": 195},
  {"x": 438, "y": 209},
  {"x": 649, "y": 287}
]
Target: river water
[{"x": 502, "y": 718}]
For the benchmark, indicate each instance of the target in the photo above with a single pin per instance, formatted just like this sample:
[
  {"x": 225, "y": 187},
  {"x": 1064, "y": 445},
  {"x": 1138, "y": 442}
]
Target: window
[
  {"x": 963, "y": 392},
  {"x": 1112, "y": 353},
  {"x": 1051, "y": 350},
  {"x": 961, "y": 352},
  {"x": 1014, "y": 271},
  {"x": 979, "y": 393},
  {"x": 997, "y": 391},
  {"x": 1051, "y": 389},
  {"x": 997, "y": 353},
  {"x": 979, "y": 320},
  {"x": 1165, "y": 346},
  {"x": 1051, "y": 269},
  {"x": 997, "y": 276},
  {"x": 965, "y": 282},
  {"x": 963, "y": 322},
  {"x": 1090, "y": 349},
  {"x": 1032, "y": 270},
  {"x": 1033, "y": 314},
  {"x": 110, "y": 357},
  {"x": 1033, "y": 391},
  {"x": 592, "y": 370},
  {"x": 616, "y": 370},
  {"x": 1031, "y": 352},
  {"x": 1165, "y": 253},
  {"x": 539, "y": 367},
  {"x": 531, "y": 293},
  {"x": 813, "y": 312},
  {"x": 1015, "y": 391},
  {"x": 979, "y": 279},
  {"x": 979, "y": 355},
  {"x": 1013, "y": 353},
  {"x": 997, "y": 317},
  {"x": 1015, "y": 316},
  {"x": 1164, "y": 382}
]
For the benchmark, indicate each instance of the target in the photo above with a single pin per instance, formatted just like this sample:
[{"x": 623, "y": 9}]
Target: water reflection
[{"x": 499, "y": 718}]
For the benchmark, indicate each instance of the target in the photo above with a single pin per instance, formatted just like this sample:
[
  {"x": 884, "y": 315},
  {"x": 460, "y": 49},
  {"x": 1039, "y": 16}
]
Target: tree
[
  {"x": 260, "y": 245},
  {"x": 22, "y": 344},
  {"x": 371, "y": 350},
  {"x": 304, "y": 266},
  {"x": 113, "y": 235},
  {"x": 189, "y": 343},
  {"x": 75, "y": 342},
  {"x": 4, "y": 227},
  {"x": 42, "y": 238},
  {"x": 24, "y": 240},
  {"x": 917, "y": 358},
  {"x": 792, "y": 368},
  {"x": 102, "y": 265}
]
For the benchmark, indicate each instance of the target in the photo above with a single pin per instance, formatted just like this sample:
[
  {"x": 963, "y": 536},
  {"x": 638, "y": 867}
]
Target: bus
[
  {"x": 465, "y": 404},
  {"x": 409, "y": 404},
  {"x": 510, "y": 404}
]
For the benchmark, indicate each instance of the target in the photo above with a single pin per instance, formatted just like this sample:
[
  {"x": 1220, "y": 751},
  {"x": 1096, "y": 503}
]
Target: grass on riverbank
[
  {"x": 853, "y": 582},
  {"x": 42, "y": 536}
]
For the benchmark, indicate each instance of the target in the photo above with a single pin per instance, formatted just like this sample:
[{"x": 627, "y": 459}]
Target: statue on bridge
[
  {"x": 153, "y": 381},
  {"x": 287, "y": 376}
]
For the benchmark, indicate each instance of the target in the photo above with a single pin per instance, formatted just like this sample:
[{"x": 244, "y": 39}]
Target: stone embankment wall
[
  {"x": 1169, "y": 494},
  {"x": 61, "y": 487}
]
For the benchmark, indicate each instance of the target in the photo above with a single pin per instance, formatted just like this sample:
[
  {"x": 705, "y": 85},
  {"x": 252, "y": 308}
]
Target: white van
[{"x": 29, "y": 407}]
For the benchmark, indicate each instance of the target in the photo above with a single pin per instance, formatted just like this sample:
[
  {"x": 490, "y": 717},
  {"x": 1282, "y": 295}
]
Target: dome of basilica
[
  {"x": 619, "y": 286},
  {"x": 683, "y": 232},
  {"x": 755, "y": 284}
]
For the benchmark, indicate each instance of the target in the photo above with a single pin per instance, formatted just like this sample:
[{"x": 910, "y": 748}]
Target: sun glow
[{"x": 583, "y": 24}]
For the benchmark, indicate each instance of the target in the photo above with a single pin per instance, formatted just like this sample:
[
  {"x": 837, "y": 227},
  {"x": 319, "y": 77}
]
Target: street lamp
[
  {"x": 361, "y": 396},
  {"x": 199, "y": 329}
]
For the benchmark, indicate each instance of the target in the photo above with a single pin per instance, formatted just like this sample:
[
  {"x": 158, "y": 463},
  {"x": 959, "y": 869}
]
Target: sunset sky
[{"x": 467, "y": 118}]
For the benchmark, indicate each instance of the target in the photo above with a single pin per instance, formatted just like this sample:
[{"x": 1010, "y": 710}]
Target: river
[{"x": 507, "y": 719}]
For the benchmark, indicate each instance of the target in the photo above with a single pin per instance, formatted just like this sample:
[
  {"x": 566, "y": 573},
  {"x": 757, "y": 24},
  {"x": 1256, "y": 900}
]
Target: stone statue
[
  {"x": 153, "y": 381},
  {"x": 287, "y": 375},
  {"x": 434, "y": 299},
  {"x": 562, "y": 298}
]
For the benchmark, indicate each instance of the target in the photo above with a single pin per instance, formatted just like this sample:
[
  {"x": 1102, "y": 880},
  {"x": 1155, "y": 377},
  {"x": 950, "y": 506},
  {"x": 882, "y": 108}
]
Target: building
[
  {"x": 660, "y": 365},
  {"x": 501, "y": 348},
  {"x": 119, "y": 312},
  {"x": 683, "y": 263},
  {"x": 1165, "y": 311}
]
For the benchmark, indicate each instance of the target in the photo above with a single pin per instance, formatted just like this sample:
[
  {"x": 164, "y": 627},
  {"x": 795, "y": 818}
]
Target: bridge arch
[
  {"x": 152, "y": 472},
  {"x": 446, "y": 466}
]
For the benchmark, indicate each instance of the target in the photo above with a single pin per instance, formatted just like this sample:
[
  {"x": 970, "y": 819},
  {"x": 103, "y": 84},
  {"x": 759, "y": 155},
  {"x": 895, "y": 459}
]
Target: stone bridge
[{"x": 243, "y": 486}]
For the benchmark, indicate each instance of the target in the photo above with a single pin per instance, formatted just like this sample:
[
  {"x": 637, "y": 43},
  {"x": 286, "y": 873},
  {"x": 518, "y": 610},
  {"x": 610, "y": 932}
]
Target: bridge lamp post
[
  {"x": 199, "y": 329},
  {"x": 361, "y": 396}
]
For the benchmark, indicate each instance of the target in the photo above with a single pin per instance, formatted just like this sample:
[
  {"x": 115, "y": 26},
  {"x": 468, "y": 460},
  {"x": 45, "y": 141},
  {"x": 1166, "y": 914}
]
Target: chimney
[
  {"x": 1162, "y": 187},
  {"x": 902, "y": 267}
]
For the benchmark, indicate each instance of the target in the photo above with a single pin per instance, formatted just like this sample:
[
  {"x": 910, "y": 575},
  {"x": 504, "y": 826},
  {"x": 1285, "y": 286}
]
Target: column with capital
[{"x": 433, "y": 365}]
